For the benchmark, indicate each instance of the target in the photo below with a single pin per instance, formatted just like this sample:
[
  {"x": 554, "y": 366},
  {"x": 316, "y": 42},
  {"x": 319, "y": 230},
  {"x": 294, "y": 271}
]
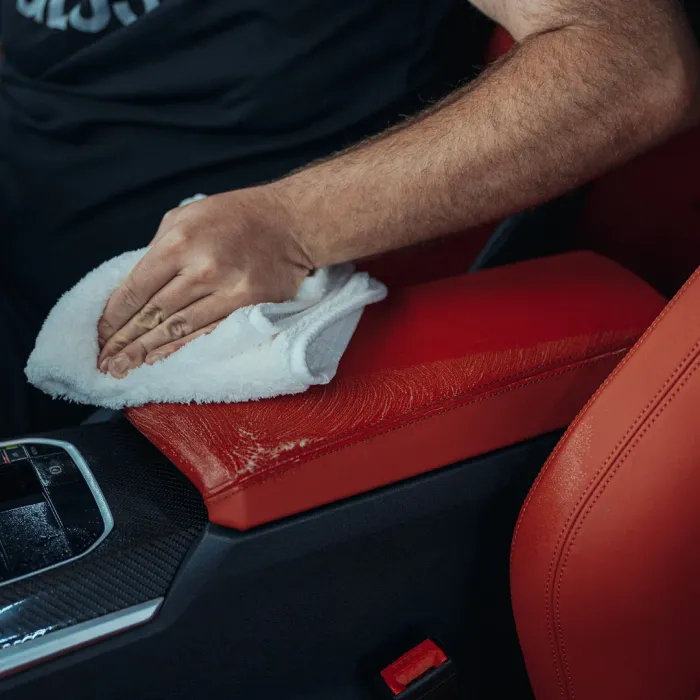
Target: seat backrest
[
  {"x": 645, "y": 215},
  {"x": 605, "y": 564}
]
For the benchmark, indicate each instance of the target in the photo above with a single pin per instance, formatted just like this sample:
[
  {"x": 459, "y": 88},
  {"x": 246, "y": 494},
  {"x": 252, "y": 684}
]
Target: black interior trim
[{"x": 315, "y": 605}]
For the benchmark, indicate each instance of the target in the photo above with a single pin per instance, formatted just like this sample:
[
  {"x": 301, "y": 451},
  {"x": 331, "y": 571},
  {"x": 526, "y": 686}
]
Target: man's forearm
[{"x": 564, "y": 106}]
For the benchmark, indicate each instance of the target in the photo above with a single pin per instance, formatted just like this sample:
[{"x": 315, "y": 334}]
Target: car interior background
[{"x": 354, "y": 542}]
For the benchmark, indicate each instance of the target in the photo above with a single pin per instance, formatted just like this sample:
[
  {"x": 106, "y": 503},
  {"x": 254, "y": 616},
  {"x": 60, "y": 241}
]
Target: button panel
[
  {"x": 14, "y": 453},
  {"x": 81, "y": 522},
  {"x": 51, "y": 509},
  {"x": 40, "y": 449},
  {"x": 57, "y": 469},
  {"x": 19, "y": 486},
  {"x": 35, "y": 524}
]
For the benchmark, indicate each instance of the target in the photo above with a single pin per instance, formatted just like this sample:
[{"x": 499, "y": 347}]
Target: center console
[
  {"x": 296, "y": 547},
  {"x": 115, "y": 584},
  {"x": 52, "y": 510},
  {"x": 94, "y": 523}
]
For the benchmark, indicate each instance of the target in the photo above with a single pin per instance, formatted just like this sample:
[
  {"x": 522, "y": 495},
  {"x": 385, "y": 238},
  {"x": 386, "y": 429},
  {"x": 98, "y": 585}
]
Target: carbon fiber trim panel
[{"x": 157, "y": 516}]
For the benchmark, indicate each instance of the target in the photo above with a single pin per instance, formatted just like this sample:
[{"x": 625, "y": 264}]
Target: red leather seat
[
  {"x": 444, "y": 257},
  {"x": 438, "y": 373},
  {"x": 605, "y": 565},
  {"x": 646, "y": 214}
]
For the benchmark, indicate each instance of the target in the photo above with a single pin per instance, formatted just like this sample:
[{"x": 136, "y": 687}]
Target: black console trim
[
  {"x": 314, "y": 606},
  {"x": 97, "y": 494},
  {"x": 40, "y": 646},
  {"x": 158, "y": 515},
  {"x": 310, "y": 607}
]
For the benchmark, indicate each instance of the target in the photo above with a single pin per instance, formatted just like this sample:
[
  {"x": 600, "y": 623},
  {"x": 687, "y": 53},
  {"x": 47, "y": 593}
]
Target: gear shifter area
[{"x": 52, "y": 510}]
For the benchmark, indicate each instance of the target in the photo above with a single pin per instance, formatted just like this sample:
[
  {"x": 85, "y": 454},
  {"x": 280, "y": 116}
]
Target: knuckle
[
  {"x": 104, "y": 329},
  {"x": 170, "y": 216},
  {"x": 138, "y": 351},
  {"x": 150, "y": 316},
  {"x": 129, "y": 298},
  {"x": 208, "y": 270},
  {"x": 178, "y": 327},
  {"x": 178, "y": 238},
  {"x": 116, "y": 344}
]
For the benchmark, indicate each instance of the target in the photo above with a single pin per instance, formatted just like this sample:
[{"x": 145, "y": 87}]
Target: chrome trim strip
[
  {"x": 18, "y": 656},
  {"x": 90, "y": 480}
]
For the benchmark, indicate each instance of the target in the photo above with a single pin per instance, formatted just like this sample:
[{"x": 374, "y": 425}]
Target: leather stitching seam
[
  {"x": 548, "y": 465},
  {"x": 556, "y": 556},
  {"x": 599, "y": 491},
  {"x": 593, "y": 398}
]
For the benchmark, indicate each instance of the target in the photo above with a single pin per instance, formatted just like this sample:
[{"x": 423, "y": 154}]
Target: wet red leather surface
[
  {"x": 438, "y": 372},
  {"x": 606, "y": 554}
]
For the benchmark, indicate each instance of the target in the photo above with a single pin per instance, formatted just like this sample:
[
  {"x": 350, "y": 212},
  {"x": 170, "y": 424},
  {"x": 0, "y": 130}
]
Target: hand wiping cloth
[{"x": 257, "y": 352}]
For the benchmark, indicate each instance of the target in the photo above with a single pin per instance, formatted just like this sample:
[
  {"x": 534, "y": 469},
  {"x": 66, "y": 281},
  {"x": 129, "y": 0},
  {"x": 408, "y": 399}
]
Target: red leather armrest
[{"x": 439, "y": 372}]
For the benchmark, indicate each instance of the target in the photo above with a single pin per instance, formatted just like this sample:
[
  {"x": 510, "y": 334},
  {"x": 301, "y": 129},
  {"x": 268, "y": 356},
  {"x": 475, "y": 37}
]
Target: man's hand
[
  {"x": 590, "y": 84},
  {"x": 208, "y": 259}
]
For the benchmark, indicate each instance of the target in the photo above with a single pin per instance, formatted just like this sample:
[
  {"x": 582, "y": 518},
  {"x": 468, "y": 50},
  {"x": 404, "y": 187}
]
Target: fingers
[
  {"x": 174, "y": 296},
  {"x": 150, "y": 275},
  {"x": 171, "y": 334},
  {"x": 166, "y": 350}
]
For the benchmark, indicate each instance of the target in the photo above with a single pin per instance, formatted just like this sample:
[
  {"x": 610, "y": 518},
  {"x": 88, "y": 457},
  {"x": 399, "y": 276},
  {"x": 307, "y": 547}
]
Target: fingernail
[
  {"x": 152, "y": 359},
  {"x": 119, "y": 366},
  {"x": 104, "y": 365}
]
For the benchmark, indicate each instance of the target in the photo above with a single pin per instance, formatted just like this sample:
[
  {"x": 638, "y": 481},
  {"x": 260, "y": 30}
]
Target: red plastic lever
[{"x": 412, "y": 665}]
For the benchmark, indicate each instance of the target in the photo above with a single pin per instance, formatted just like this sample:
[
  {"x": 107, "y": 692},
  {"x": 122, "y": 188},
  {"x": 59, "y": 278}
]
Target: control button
[
  {"x": 54, "y": 470},
  {"x": 79, "y": 514},
  {"x": 39, "y": 449},
  {"x": 19, "y": 486},
  {"x": 420, "y": 672},
  {"x": 32, "y": 539},
  {"x": 14, "y": 453}
]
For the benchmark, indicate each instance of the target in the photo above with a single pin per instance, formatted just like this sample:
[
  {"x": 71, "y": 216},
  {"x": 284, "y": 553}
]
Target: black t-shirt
[{"x": 111, "y": 111}]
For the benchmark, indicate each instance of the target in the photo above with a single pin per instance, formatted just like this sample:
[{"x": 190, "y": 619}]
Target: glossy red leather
[
  {"x": 605, "y": 565},
  {"x": 437, "y": 373}
]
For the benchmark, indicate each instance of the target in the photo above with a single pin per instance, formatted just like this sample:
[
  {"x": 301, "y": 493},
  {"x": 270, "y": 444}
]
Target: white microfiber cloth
[{"x": 257, "y": 352}]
